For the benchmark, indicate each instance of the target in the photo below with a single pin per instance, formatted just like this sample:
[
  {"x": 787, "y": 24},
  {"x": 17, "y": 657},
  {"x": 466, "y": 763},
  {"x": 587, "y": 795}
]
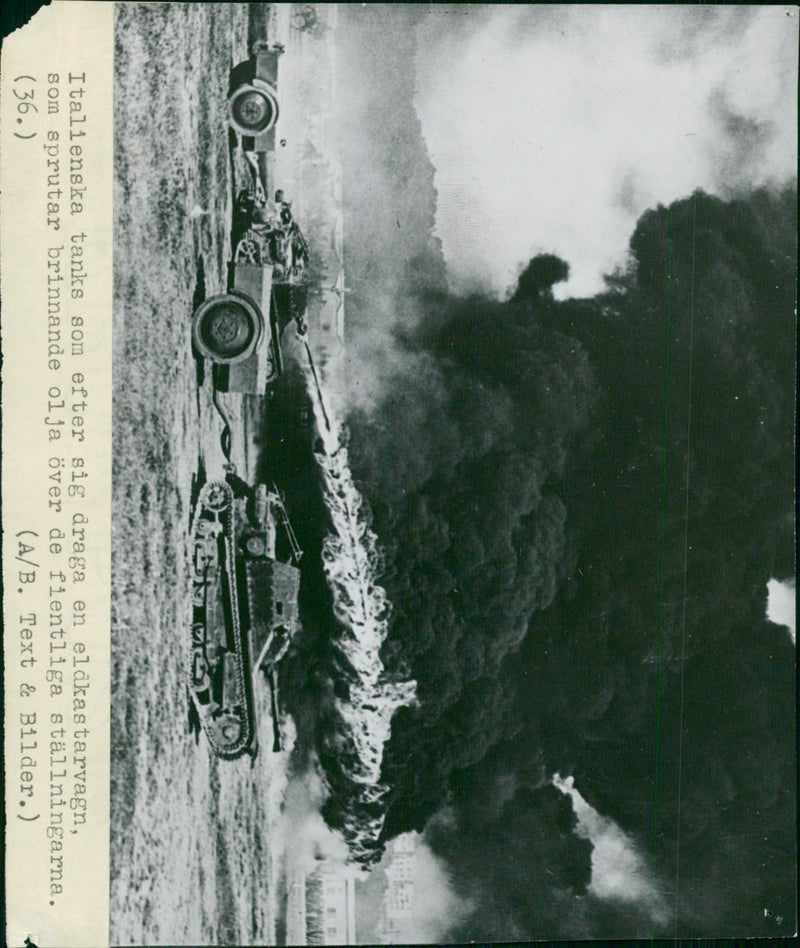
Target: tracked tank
[{"x": 244, "y": 607}]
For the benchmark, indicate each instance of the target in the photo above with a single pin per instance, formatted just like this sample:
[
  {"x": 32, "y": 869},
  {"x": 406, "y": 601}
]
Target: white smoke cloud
[
  {"x": 437, "y": 908},
  {"x": 781, "y": 605},
  {"x": 434, "y": 907},
  {"x": 304, "y": 842},
  {"x": 305, "y": 837},
  {"x": 553, "y": 128},
  {"x": 619, "y": 871}
]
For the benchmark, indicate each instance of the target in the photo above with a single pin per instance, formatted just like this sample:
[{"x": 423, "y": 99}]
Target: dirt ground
[{"x": 194, "y": 840}]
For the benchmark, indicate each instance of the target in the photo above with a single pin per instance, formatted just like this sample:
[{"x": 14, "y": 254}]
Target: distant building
[
  {"x": 397, "y": 909},
  {"x": 296, "y": 907},
  {"x": 330, "y": 906}
]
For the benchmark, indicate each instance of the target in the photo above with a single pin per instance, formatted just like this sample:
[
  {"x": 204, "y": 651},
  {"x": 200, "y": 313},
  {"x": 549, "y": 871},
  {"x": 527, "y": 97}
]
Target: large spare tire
[
  {"x": 226, "y": 328},
  {"x": 253, "y": 108}
]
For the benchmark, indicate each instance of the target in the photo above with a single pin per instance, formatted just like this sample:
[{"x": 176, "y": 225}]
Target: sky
[{"x": 552, "y": 128}]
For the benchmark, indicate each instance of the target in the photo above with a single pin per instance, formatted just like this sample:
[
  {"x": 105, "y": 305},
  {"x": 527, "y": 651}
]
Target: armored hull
[
  {"x": 244, "y": 609},
  {"x": 219, "y": 677}
]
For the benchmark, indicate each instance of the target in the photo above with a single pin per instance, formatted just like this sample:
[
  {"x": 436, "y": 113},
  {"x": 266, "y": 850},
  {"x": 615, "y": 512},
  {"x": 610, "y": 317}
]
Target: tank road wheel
[
  {"x": 216, "y": 498},
  {"x": 253, "y": 108},
  {"x": 226, "y": 328},
  {"x": 228, "y": 728},
  {"x": 256, "y": 545}
]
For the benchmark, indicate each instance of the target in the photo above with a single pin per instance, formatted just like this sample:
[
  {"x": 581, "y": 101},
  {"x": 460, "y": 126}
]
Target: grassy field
[{"x": 192, "y": 841}]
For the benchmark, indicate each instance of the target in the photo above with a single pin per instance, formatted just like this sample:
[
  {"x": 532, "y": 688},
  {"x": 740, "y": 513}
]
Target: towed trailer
[{"x": 239, "y": 331}]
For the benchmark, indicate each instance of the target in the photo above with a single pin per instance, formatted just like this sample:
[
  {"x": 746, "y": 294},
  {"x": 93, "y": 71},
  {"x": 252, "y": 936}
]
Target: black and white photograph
[{"x": 453, "y": 473}]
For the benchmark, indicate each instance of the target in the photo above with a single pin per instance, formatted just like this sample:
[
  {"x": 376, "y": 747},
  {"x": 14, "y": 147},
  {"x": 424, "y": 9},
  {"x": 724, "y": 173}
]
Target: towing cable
[{"x": 226, "y": 436}]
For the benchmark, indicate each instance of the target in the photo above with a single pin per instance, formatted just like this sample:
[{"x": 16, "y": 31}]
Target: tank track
[{"x": 214, "y": 523}]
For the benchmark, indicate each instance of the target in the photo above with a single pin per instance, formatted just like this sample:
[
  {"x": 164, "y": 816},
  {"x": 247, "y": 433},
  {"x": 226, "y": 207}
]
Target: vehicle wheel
[
  {"x": 228, "y": 728},
  {"x": 253, "y": 109},
  {"x": 216, "y": 498},
  {"x": 256, "y": 546},
  {"x": 226, "y": 328}
]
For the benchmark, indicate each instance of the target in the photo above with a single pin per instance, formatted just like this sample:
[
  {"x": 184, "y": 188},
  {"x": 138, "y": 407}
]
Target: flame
[{"x": 352, "y": 562}]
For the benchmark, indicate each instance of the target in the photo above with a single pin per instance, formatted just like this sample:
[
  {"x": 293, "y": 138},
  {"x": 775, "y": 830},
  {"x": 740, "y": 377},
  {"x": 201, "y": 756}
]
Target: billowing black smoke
[
  {"x": 662, "y": 687},
  {"x": 460, "y": 465},
  {"x": 578, "y": 567}
]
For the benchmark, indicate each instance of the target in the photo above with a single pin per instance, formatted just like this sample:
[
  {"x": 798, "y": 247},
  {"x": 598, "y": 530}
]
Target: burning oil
[{"x": 353, "y": 563}]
